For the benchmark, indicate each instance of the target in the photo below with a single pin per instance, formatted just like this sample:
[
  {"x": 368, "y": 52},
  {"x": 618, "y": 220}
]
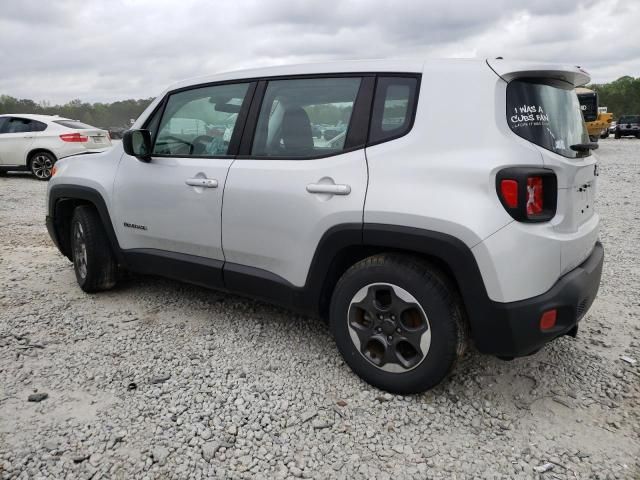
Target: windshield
[{"x": 547, "y": 113}]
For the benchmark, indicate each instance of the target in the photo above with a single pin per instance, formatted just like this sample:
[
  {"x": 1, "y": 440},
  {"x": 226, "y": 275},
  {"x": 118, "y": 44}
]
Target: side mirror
[{"x": 137, "y": 143}]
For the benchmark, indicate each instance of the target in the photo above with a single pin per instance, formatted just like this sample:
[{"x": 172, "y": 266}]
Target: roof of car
[
  {"x": 407, "y": 65},
  {"x": 33, "y": 116},
  {"x": 504, "y": 68}
]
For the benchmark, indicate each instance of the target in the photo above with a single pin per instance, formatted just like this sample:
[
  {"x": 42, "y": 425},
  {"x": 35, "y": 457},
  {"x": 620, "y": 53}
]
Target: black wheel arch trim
[
  {"x": 355, "y": 238},
  {"x": 62, "y": 193}
]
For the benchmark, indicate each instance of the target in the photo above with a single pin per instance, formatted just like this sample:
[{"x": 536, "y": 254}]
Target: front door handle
[
  {"x": 202, "y": 182},
  {"x": 329, "y": 188}
]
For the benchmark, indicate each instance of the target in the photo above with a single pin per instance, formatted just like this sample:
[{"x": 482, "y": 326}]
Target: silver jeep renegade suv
[{"x": 340, "y": 190}]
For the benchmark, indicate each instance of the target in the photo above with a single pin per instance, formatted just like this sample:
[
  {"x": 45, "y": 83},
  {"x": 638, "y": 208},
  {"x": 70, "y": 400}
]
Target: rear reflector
[
  {"x": 509, "y": 191},
  {"x": 535, "y": 203},
  {"x": 73, "y": 137},
  {"x": 548, "y": 319}
]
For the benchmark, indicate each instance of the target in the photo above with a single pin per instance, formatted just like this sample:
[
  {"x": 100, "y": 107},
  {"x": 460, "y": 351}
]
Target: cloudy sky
[{"x": 116, "y": 49}]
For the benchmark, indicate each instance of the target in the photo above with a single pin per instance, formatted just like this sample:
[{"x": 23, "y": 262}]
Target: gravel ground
[{"x": 157, "y": 379}]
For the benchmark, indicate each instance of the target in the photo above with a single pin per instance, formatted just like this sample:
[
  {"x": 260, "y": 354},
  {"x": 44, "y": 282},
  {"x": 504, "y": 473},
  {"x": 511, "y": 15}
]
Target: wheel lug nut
[
  {"x": 398, "y": 329},
  {"x": 380, "y": 317},
  {"x": 379, "y": 329},
  {"x": 389, "y": 338},
  {"x": 393, "y": 317}
]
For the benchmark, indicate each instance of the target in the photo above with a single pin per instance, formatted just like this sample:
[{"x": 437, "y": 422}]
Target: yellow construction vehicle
[{"x": 597, "y": 121}]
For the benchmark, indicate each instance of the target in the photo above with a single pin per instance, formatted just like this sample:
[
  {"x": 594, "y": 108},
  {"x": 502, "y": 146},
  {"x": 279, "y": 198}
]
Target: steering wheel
[
  {"x": 180, "y": 140},
  {"x": 201, "y": 141}
]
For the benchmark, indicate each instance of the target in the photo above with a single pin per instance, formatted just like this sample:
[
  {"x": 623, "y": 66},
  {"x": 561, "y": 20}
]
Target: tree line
[
  {"x": 103, "y": 115},
  {"x": 621, "y": 97}
]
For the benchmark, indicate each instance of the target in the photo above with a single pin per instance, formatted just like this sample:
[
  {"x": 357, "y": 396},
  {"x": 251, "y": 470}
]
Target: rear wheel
[
  {"x": 397, "y": 322},
  {"x": 616, "y": 136},
  {"x": 41, "y": 165},
  {"x": 93, "y": 260}
]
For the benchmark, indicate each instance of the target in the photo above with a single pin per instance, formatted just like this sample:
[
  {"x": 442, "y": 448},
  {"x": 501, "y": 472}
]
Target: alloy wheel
[
  {"x": 41, "y": 166},
  {"x": 389, "y": 327},
  {"x": 80, "y": 250}
]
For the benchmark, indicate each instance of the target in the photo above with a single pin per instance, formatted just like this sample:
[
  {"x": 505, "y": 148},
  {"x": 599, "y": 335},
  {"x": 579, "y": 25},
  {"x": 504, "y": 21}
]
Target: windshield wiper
[{"x": 584, "y": 147}]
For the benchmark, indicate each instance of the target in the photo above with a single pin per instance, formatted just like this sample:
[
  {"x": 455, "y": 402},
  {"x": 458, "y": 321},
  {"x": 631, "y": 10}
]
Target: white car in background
[{"x": 36, "y": 142}]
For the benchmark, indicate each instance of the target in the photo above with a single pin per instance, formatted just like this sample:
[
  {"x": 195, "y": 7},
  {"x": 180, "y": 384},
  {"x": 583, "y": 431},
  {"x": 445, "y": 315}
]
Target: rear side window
[
  {"x": 393, "y": 108},
  {"x": 199, "y": 122},
  {"x": 37, "y": 126},
  {"x": 73, "y": 124},
  {"x": 305, "y": 117},
  {"x": 548, "y": 114}
]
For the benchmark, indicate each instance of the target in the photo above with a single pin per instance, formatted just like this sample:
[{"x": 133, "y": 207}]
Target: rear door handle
[
  {"x": 329, "y": 188},
  {"x": 202, "y": 182}
]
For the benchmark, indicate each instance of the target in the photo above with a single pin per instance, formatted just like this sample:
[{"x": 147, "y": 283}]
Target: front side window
[
  {"x": 393, "y": 108},
  {"x": 547, "y": 113},
  {"x": 305, "y": 117},
  {"x": 17, "y": 125},
  {"x": 200, "y": 122}
]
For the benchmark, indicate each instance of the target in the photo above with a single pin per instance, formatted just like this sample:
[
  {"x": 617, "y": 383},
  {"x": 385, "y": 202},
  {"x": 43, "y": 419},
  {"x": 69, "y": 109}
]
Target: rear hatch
[
  {"x": 543, "y": 108},
  {"x": 96, "y": 138}
]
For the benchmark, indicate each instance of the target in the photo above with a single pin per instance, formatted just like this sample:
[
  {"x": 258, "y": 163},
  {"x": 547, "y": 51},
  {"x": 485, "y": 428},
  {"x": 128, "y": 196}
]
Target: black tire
[
  {"x": 616, "y": 136},
  {"x": 41, "y": 164},
  {"x": 436, "y": 297},
  {"x": 93, "y": 260},
  {"x": 604, "y": 134}
]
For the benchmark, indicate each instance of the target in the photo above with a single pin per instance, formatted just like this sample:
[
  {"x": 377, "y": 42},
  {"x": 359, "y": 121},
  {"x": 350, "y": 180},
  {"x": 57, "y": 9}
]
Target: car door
[
  {"x": 295, "y": 179},
  {"x": 16, "y": 137},
  {"x": 170, "y": 207}
]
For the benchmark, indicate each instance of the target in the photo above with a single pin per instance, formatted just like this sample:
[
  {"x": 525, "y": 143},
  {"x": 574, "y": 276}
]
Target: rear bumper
[{"x": 516, "y": 324}]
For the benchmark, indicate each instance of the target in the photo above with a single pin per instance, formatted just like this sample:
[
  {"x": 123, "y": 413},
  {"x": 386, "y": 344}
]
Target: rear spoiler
[{"x": 509, "y": 69}]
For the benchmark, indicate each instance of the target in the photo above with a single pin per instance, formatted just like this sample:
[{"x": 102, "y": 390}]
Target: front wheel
[
  {"x": 93, "y": 260},
  {"x": 42, "y": 165},
  {"x": 397, "y": 322}
]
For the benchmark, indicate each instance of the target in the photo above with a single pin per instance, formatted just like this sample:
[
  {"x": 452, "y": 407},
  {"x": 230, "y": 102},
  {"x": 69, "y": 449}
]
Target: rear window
[
  {"x": 73, "y": 124},
  {"x": 547, "y": 113},
  {"x": 630, "y": 119}
]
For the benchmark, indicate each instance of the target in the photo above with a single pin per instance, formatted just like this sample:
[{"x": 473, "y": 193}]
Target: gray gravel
[{"x": 158, "y": 379}]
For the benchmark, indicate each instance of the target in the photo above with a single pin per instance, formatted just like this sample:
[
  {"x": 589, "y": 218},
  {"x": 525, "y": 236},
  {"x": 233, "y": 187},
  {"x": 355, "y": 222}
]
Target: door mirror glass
[{"x": 137, "y": 143}]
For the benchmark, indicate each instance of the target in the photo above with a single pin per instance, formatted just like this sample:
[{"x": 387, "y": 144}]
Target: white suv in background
[
  {"x": 36, "y": 142},
  {"x": 408, "y": 237}
]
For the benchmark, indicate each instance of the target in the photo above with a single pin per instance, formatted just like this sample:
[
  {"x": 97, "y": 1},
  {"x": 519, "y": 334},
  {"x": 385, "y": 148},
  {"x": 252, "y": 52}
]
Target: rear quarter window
[{"x": 393, "y": 108}]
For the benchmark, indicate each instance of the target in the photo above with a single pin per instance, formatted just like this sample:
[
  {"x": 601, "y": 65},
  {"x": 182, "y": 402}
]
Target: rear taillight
[
  {"x": 73, "y": 137},
  {"x": 528, "y": 194},
  {"x": 509, "y": 192},
  {"x": 535, "y": 200}
]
